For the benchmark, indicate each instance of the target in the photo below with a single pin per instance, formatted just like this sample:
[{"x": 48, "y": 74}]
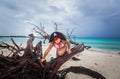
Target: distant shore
[
  {"x": 13, "y": 36},
  {"x": 21, "y": 36}
]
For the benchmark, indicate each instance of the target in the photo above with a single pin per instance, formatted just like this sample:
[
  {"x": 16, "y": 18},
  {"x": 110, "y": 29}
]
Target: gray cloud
[{"x": 91, "y": 18}]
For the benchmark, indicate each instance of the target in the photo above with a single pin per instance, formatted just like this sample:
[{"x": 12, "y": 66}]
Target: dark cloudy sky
[{"x": 89, "y": 18}]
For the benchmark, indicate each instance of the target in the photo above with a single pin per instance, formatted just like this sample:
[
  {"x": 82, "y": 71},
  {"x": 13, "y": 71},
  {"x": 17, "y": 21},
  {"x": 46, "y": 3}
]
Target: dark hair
[{"x": 59, "y": 34}]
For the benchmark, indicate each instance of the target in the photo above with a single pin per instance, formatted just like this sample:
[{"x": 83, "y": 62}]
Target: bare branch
[
  {"x": 40, "y": 30},
  {"x": 15, "y": 44},
  {"x": 70, "y": 33},
  {"x": 56, "y": 26}
]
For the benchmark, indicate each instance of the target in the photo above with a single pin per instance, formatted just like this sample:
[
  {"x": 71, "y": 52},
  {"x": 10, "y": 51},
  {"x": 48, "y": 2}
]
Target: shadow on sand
[{"x": 81, "y": 70}]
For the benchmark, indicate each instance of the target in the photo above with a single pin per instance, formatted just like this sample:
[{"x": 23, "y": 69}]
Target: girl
[{"x": 58, "y": 41}]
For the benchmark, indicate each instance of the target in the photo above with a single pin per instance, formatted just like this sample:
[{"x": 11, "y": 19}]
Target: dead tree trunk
[
  {"x": 28, "y": 66},
  {"x": 55, "y": 64},
  {"x": 21, "y": 67}
]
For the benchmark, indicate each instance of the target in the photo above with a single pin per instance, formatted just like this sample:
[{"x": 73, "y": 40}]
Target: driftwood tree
[
  {"x": 69, "y": 34},
  {"x": 28, "y": 66}
]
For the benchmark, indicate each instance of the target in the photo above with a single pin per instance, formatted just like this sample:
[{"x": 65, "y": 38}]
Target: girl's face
[{"x": 57, "y": 40}]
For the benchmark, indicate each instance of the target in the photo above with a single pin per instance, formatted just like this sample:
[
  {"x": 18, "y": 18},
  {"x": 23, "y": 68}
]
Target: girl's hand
[{"x": 42, "y": 60}]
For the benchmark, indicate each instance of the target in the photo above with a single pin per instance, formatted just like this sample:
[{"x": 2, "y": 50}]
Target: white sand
[{"x": 105, "y": 62}]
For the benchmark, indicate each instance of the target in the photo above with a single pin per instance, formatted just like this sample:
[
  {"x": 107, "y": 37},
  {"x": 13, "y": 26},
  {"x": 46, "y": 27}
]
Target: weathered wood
[
  {"x": 7, "y": 46},
  {"x": 38, "y": 49},
  {"x": 21, "y": 67},
  {"x": 29, "y": 50},
  {"x": 28, "y": 66},
  {"x": 14, "y": 50},
  {"x": 56, "y": 63},
  {"x": 15, "y": 44}
]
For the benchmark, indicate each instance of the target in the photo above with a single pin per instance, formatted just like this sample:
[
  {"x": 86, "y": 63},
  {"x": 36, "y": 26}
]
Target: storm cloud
[{"x": 88, "y": 18}]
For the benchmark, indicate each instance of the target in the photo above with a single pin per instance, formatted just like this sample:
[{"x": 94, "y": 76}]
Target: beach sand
[{"x": 106, "y": 63}]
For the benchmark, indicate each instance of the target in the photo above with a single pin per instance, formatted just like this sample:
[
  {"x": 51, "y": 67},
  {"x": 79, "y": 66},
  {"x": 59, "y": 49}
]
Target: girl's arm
[{"x": 47, "y": 51}]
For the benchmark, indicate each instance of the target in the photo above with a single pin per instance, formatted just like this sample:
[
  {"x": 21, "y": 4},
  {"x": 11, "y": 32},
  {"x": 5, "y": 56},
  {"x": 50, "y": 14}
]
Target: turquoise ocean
[{"x": 111, "y": 44}]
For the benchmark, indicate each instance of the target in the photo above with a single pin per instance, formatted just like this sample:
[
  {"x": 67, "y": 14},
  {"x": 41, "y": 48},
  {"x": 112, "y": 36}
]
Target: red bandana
[{"x": 56, "y": 38}]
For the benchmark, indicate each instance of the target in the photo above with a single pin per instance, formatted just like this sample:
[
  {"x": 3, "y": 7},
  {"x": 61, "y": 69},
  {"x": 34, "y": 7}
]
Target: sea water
[{"x": 112, "y": 44}]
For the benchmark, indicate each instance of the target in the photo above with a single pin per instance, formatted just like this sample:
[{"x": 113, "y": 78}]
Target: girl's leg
[{"x": 57, "y": 53}]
